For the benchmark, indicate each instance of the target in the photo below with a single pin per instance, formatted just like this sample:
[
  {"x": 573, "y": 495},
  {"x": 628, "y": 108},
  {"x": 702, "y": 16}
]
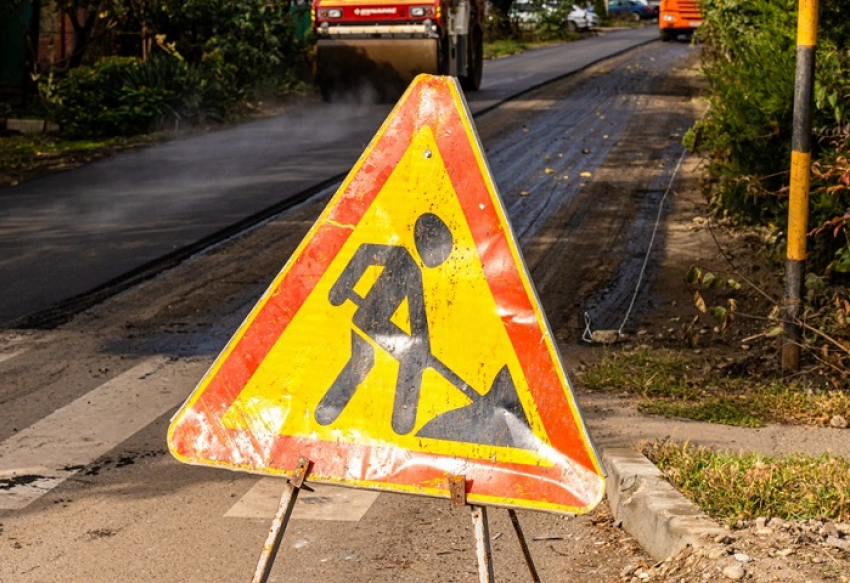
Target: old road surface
[
  {"x": 115, "y": 222},
  {"x": 582, "y": 163}
]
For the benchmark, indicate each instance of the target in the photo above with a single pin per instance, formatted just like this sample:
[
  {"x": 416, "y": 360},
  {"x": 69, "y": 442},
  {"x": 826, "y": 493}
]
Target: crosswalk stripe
[
  {"x": 42, "y": 456},
  {"x": 325, "y": 503}
]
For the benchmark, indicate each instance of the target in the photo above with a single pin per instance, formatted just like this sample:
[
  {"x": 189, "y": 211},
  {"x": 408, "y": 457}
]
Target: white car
[
  {"x": 529, "y": 12},
  {"x": 582, "y": 19}
]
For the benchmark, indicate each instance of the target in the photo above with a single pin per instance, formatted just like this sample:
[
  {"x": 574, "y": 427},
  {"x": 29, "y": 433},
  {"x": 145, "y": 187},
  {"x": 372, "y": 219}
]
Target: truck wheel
[
  {"x": 475, "y": 60},
  {"x": 667, "y": 35},
  {"x": 572, "y": 26}
]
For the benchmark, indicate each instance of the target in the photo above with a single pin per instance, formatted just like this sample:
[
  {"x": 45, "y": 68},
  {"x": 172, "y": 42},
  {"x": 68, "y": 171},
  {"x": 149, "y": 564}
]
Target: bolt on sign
[{"x": 403, "y": 342}]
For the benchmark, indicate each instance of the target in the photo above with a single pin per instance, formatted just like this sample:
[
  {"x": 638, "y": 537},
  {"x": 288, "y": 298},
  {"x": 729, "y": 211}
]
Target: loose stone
[{"x": 734, "y": 572}]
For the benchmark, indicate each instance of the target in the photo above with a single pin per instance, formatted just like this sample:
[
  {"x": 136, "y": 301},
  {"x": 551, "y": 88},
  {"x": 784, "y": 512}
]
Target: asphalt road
[
  {"x": 66, "y": 234},
  {"x": 88, "y": 490}
]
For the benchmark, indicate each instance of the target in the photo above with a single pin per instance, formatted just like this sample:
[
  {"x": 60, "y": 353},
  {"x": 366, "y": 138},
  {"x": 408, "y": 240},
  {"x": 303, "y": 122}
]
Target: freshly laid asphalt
[{"x": 74, "y": 231}]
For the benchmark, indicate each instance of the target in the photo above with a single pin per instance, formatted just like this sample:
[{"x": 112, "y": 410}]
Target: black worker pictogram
[{"x": 495, "y": 418}]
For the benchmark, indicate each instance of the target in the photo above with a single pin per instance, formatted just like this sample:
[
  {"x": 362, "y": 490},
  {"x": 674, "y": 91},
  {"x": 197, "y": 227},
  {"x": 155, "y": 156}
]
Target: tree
[
  {"x": 502, "y": 9},
  {"x": 83, "y": 15}
]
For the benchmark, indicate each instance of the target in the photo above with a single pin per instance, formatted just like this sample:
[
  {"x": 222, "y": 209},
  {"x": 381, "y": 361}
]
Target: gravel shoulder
[{"x": 765, "y": 549}]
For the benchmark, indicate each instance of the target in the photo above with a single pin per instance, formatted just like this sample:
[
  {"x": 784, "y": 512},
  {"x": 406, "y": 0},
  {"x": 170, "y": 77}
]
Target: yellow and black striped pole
[{"x": 801, "y": 159}]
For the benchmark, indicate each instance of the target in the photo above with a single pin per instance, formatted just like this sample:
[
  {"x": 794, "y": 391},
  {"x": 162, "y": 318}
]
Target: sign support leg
[
  {"x": 482, "y": 540},
  {"x": 524, "y": 546},
  {"x": 281, "y": 519}
]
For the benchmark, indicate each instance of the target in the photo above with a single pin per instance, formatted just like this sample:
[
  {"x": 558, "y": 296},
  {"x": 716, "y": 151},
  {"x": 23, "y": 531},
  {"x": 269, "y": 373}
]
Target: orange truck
[{"x": 677, "y": 17}]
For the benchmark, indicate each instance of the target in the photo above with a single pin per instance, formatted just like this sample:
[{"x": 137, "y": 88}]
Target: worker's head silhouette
[{"x": 433, "y": 239}]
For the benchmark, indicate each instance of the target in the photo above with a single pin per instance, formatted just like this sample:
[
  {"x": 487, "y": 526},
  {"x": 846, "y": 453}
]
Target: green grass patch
[
  {"x": 503, "y": 48},
  {"x": 675, "y": 384},
  {"x": 25, "y": 155},
  {"x": 28, "y": 149},
  {"x": 648, "y": 373},
  {"x": 723, "y": 411},
  {"x": 744, "y": 487}
]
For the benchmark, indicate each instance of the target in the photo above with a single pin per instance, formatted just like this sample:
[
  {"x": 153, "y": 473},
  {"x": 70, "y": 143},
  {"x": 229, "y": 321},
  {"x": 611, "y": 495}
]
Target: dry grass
[
  {"x": 675, "y": 384},
  {"x": 744, "y": 487}
]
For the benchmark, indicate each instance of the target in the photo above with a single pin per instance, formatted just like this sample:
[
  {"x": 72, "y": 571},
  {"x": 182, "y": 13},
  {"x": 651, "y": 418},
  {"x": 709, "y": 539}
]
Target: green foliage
[
  {"x": 748, "y": 58},
  {"x": 832, "y": 84},
  {"x": 831, "y": 195},
  {"x": 553, "y": 24},
  {"x": 97, "y": 101},
  {"x": 749, "y": 52},
  {"x": 245, "y": 44},
  {"x": 178, "y": 61},
  {"x": 600, "y": 7},
  {"x": 123, "y": 96}
]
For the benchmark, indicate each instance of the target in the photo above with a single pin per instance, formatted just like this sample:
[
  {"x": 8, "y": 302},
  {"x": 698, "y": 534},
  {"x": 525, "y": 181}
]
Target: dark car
[{"x": 631, "y": 9}]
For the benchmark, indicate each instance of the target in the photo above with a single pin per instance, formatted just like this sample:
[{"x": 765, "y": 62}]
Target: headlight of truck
[
  {"x": 668, "y": 18},
  {"x": 334, "y": 13}
]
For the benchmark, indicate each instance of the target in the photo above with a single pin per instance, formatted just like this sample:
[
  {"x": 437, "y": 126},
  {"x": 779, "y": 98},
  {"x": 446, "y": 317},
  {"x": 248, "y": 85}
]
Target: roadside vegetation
[
  {"x": 27, "y": 155},
  {"x": 674, "y": 384},
  {"x": 734, "y": 488},
  {"x": 142, "y": 66},
  {"x": 724, "y": 369},
  {"x": 748, "y": 58}
]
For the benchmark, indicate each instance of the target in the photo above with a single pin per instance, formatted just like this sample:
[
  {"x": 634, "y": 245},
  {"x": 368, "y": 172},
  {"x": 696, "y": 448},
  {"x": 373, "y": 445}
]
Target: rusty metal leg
[
  {"x": 281, "y": 519},
  {"x": 482, "y": 540},
  {"x": 524, "y": 546}
]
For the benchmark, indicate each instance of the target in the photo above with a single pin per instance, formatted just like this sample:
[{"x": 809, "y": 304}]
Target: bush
[
  {"x": 203, "y": 57},
  {"x": 242, "y": 44},
  {"x": 98, "y": 100},
  {"x": 749, "y": 52},
  {"x": 122, "y": 96}
]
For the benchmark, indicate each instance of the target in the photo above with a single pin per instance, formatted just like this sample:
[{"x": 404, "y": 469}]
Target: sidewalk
[{"x": 662, "y": 520}]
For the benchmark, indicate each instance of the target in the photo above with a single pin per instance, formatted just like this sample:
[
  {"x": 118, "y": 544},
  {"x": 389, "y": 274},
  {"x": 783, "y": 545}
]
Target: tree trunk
[{"x": 82, "y": 35}]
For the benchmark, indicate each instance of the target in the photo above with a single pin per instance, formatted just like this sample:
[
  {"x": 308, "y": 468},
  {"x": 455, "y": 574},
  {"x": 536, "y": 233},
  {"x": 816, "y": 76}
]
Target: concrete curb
[{"x": 647, "y": 507}]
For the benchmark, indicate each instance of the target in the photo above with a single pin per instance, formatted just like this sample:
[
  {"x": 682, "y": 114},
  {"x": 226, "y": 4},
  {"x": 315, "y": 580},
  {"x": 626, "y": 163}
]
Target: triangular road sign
[{"x": 403, "y": 342}]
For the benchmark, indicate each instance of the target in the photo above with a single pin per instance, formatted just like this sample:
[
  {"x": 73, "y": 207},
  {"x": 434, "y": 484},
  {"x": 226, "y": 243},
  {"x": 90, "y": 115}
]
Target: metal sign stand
[
  {"x": 281, "y": 519},
  {"x": 524, "y": 546},
  {"x": 457, "y": 490},
  {"x": 482, "y": 545}
]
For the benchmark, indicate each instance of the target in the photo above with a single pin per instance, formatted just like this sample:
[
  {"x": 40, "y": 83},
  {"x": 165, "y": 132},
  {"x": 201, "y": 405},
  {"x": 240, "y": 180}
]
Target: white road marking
[
  {"x": 40, "y": 457},
  {"x": 326, "y": 503},
  {"x": 10, "y": 355}
]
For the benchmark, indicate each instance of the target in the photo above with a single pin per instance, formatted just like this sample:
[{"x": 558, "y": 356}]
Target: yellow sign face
[
  {"x": 403, "y": 342},
  {"x": 460, "y": 309}
]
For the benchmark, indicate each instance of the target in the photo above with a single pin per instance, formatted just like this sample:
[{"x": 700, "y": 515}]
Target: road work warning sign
[{"x": 403, "y": 342}]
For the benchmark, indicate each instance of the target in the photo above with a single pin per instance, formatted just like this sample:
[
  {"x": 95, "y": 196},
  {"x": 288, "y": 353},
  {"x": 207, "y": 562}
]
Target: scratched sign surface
[{"x": 403, "y": 342}]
